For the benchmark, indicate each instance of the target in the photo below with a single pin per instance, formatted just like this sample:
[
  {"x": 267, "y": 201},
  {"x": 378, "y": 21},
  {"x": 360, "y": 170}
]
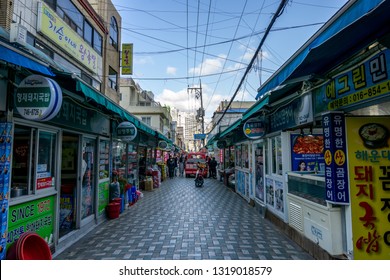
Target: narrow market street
[{"x": 180, "y": 222}]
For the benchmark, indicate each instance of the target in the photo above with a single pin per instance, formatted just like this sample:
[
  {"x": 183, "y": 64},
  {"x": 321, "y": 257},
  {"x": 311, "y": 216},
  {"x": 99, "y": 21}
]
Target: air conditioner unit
[{"x": 18, "y": 34}]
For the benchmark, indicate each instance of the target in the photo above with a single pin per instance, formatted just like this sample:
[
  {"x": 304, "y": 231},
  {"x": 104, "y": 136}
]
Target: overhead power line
[
  {"x": 217, "y": 43},
  {"x": 276, "y": 15}
]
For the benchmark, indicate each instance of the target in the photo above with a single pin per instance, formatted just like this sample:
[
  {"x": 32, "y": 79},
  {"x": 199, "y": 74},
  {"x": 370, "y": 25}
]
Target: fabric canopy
[
  {"x": 16, "y": 58},
  {"x": 353, "y": 29}
]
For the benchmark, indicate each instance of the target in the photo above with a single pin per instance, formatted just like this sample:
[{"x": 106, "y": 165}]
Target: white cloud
[
  {"x": 209, "y": 66},
  {"x": 171, "y": 70},
  {"x": 185, "y": 101},
  {"x": 177, "y": 99}
]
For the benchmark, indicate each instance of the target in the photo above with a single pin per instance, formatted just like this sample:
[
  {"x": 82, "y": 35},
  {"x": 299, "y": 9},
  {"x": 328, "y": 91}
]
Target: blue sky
[{"x": 178, "y": 46}]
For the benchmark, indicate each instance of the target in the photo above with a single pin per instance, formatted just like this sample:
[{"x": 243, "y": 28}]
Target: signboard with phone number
[{"x": 364, "y": 82}]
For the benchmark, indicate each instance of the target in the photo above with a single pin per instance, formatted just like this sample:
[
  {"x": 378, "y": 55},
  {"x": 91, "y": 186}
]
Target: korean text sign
[
  {"x": 366, "y": 81},
  {"x": 336, "y": 172},
  {"x": 369, "y": 165}
]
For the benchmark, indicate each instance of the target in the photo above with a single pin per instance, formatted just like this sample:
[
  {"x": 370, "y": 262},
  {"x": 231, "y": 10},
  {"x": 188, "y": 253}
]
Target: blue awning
[
  {"x": 16, "y": 58},
  {"x": 352, "y": 30}
]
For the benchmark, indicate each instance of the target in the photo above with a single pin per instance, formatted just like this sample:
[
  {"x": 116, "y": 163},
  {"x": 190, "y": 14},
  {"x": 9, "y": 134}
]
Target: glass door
[
  {"x": 88, "y": 181},
  {"x": 259, "y": 174},
  {"x": 69, "y": 181}
]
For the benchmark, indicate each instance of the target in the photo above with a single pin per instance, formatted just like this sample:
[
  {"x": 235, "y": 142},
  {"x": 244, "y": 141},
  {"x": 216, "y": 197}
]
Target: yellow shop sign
[{"x": 53, "y": 27}]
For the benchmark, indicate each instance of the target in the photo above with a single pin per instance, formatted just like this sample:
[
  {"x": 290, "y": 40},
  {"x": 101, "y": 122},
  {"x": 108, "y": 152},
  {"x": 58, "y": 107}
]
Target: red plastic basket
[{"x": 113, "y": 210}]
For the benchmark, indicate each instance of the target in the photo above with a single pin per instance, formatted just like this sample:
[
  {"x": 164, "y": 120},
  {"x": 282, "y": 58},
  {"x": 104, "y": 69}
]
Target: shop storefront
[
  {"x": 243, "y": 174},
  {"x": 356, "y": 131},
  {"x": 335, "y": 167},
  {"x": 57, "y": 159}
]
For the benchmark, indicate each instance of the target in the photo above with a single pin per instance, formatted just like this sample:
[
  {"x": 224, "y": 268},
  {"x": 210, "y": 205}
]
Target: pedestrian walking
[
  {"x": 181, "y": 166},
  {"x": 171, "y": 167},
  {"x": 213, "y": 168},
  {"x": 176, "y": 165}
]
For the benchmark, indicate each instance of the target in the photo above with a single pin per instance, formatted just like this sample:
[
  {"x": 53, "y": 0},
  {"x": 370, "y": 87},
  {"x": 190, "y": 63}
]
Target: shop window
[
  {"x": 276, "y": 155},
  {"x": 46, "y": 159},
  {"x": 231, "y": 157},
  {"x": 118, "y": 158},
  {"x": 30, "y": 146},
  {"x": 259, "y": 171},
  {"x": 245, "y": 156},
  {"x": 226, "y": 165},
  {"x": 242, "y": 156},
  {"x": 266, "y": 161},
  {"x": 238, "y": 156}
]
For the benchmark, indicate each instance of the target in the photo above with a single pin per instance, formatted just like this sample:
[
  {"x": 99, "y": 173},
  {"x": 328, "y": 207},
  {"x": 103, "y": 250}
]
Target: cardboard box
[{"x": 148, "y": 185}]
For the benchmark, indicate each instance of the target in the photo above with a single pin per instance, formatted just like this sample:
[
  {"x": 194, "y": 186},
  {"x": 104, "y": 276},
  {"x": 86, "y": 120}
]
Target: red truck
[{"x": 191, "y": 164}]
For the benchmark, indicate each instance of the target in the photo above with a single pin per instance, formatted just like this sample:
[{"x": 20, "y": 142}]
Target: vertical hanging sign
[
  {"x": 369, "y": 177},
  {"x": 336, "y": 168},
  {"x": 127, "y": 59}
]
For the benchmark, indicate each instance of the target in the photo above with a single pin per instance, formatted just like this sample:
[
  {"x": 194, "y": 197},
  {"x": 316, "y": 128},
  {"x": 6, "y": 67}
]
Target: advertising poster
[
  {"x": 103, "y": 195},
  {"x": 279, "y": 199},
  {"x": 240, "y": 183},
  {"x": 307, "y": 152},
  {"x": 369, "y": 176},
  {"x": 5, "y": 167},
  {"x": 36, "y": 216},
  {"x": 67, "y": 208},
  {"x": 270, "y": 191},
  {"x": 259, "y": 174}
]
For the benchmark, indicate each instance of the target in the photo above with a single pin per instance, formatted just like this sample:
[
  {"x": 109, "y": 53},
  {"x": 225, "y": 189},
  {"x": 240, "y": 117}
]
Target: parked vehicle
[{"x": 191, "y": 167}]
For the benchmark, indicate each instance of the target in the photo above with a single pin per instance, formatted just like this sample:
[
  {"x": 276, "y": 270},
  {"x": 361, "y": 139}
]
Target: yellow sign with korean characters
[
  {"x": 369, "y": 176},
  {"x": 53, "y": 27},
  {"x": 127, "y": 59}
]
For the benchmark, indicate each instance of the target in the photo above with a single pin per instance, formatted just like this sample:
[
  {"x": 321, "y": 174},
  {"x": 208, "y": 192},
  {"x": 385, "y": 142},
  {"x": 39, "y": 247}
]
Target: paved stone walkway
[{"x": 179, "y": 221}]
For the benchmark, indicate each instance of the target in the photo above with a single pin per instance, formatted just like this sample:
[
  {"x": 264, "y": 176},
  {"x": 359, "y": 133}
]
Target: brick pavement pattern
[{"x": 181, "y": 222}]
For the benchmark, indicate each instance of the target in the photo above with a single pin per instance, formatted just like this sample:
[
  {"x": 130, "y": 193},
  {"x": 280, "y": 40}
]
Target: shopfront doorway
[
  {"x": 88, "y": 179},
  {"x": 259, "y": 174},
  {"x": 69, "y": 180}
]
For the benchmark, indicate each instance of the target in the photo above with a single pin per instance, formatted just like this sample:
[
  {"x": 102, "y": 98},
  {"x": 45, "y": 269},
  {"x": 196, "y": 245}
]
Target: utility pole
[{"x": 200, "y": 112}]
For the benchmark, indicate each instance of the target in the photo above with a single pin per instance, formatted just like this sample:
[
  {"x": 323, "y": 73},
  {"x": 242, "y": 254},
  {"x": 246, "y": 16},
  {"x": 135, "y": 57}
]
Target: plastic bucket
[
  {"x": 11, "y": 252},
  {"x": 118, "y": 200},
  {"x": 113, "y": 210},
  {"x": 29, "y": 246},
  {"x": 33, "y": 247}
]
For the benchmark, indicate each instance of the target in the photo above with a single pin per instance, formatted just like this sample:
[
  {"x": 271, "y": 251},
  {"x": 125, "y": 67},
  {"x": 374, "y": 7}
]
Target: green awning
[
  {"x": 255, "y": 108},
  {"x": 231, "y": 128},
  {"x": 142, "y": 126},
  {"x": 211, "y": 141},
  {"x": 163, "y": 137},
  {"x": 91, "y": 93},
  {"x": 113, "y": 107}
]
